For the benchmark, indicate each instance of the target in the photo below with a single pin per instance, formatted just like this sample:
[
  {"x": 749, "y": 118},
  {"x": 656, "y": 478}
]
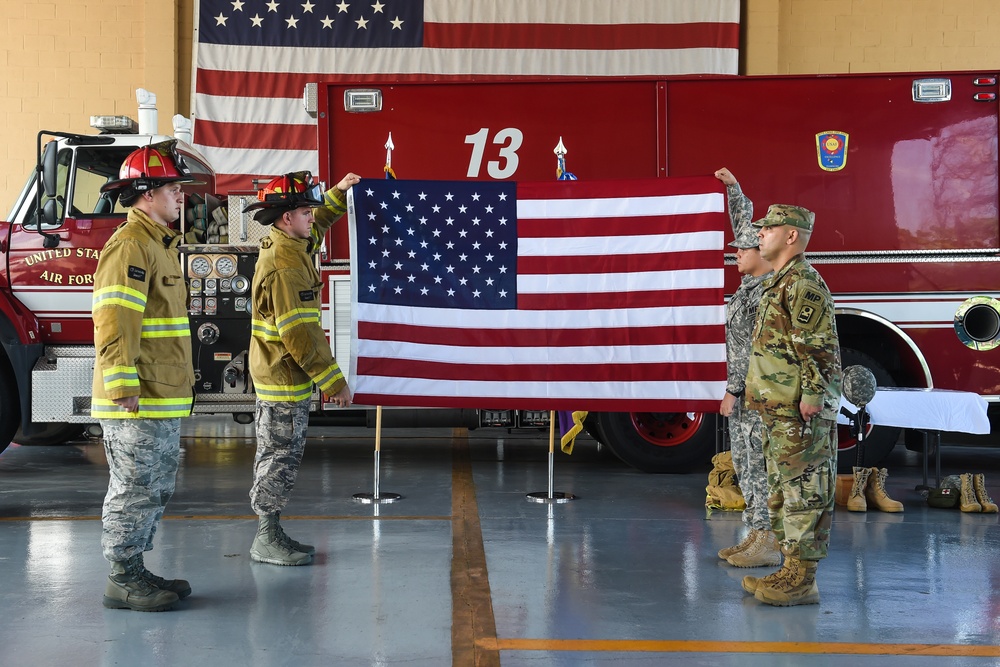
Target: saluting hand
[{"x": 347, "y": 181}]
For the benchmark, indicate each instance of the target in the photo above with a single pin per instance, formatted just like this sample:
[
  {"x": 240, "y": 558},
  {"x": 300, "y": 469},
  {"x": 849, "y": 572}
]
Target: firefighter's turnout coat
[
  {"x": 142, "y": 336},
  {"x": 289, "y": 350}
]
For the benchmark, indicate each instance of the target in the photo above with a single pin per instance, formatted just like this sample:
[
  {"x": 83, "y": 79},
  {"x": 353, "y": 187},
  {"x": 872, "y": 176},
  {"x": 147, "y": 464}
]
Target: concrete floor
[{"x": 463, "y": 570}]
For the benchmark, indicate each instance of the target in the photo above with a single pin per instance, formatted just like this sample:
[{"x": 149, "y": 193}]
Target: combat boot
[
  {"x": 876, "y": 494},
  {"x": 979, "y": 484},
  {"x": 762, "y": 553},
  {"x": 289, "y": 542},
  {"x": 747, "y": 541},
  {"x": 967, "y": 500},
  {"x": 856, "y": 501},
  {"x": 180, "y": 587},
  {"x": 268, "y": 547},
  {"x": 751, "y": 584},
  {"x": 128, "y": 589},
  {"x": 797, "y": 587}
]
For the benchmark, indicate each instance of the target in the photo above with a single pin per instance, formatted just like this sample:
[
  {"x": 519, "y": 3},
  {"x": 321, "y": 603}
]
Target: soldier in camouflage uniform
[
  {"x": 794, "y": 381},
  {"x": 759, "y": 548},
  {"x": 143, "y": 376},
  {"x": 289, "y": 351}
]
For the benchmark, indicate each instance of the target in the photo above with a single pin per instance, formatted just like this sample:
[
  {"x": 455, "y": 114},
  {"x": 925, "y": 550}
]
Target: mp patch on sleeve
[
  {"x": 136, "y": 273},
  {"x": 307, "y": 295},
  {"x": 809, "y": 308}
]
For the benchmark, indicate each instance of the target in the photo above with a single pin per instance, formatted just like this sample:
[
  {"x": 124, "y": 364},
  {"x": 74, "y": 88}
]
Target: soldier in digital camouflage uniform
[
  {"x": 794, "y": 381},
  {"x": 759, "y": 548},
  {"x": 289, "y": 351},
  {"x": 143, "y": 376}
]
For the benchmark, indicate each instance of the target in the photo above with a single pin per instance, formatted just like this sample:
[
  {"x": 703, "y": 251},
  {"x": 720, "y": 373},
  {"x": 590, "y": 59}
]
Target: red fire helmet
[
  {"x": 148, "y": 168},
  {"x": 292, "y": 190}
]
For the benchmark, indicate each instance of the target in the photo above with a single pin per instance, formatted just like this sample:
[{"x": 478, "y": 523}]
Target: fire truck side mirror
[
  {"x": 50, "y": 213},
  {"x": 49, "y": 170}
]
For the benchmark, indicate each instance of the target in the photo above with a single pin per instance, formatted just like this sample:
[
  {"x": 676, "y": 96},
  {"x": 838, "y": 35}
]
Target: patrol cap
[
  {"x": 747, "y": 238},
  {"x": 786, "y": 214}
]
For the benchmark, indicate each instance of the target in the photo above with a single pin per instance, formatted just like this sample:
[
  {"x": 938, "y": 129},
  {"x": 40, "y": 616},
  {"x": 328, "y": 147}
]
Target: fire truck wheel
[
  {"x": 10, "y": 412},
  {"x": 54, "y": 433},
  {"x": 659, "y": 442},
  {"x": 879, "y": 441}
]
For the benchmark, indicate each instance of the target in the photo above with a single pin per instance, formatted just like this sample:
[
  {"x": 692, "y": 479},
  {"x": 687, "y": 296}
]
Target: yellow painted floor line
[
  {"x": 473, "y": 627},
  {"x": 701, "y": 646}
]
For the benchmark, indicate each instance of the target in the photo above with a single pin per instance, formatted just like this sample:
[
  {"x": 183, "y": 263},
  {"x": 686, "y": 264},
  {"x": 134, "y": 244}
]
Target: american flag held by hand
[{"x": 548, "y": 295}]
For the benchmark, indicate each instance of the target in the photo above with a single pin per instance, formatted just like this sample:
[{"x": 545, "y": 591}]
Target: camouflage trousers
[
  {"x": 801, "y": 478},
  {"x": 745, "y": 433},
  {"x": 142, "y": 456},
  {"x": 281, "y": 440}
]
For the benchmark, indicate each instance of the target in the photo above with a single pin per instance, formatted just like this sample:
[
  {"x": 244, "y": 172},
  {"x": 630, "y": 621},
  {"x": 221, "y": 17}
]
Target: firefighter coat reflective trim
[
  {"x": 142, "y": 337},
  {"x": 289, "y": 350}
]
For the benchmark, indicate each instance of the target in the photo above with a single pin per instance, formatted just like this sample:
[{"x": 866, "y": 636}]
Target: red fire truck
[{"x": 900, "y": 169}]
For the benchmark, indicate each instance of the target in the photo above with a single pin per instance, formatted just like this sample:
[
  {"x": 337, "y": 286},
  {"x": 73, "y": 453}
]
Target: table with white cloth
[{"x": 930, "y": 411}]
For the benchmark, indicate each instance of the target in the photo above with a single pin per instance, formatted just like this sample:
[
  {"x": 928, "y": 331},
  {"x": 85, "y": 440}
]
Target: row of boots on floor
[
  {"x": 131, "y": 586},
  {"x": 868, "y": 492}
]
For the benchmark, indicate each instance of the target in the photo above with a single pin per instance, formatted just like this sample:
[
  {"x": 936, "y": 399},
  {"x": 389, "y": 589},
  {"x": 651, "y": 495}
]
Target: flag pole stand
[
  {"x": 551, "y": 496},
  {"x": 376, "y": 497}
]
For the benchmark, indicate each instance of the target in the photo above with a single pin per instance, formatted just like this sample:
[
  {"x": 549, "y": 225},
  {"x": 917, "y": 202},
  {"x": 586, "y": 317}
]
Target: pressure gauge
[
  {"x": 200, "y": 266},
  {"x": 211, "y": 305},
  {"x": 240, "y": 284},
  {"x": 195, "y": 285},
  {"x": 195, "y": 308},
  {"x": 225, "y": 265},
  {"x": 240, "y": 303}
]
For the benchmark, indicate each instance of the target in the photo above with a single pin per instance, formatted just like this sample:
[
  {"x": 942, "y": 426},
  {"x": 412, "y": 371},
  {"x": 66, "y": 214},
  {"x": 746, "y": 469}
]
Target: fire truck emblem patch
[
  {"x": 831, "y": 150},
  {"x": 135, "y": 273}
]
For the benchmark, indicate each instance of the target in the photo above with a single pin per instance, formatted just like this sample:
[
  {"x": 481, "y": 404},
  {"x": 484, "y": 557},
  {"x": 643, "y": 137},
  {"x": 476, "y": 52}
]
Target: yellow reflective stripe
[
  {"x": 165, "y": 327},
  {"x": 331, "y": 201},
  {"x": 293, "y": 318},
  {"x": 149, "y": 408},
  {"x": 119, "y": 295},
  {"x": 263, "y": 330},
  {"x": 330, "y": 376},
  {"x": 120, "y": 376},
  {"x": 279, "y": 393}
]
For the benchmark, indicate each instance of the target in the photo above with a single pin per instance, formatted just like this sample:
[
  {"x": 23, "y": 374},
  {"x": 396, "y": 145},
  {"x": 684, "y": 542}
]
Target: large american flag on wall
[
  {"x": 545, "y": 295},
  {"x": 254, "y": 57}
]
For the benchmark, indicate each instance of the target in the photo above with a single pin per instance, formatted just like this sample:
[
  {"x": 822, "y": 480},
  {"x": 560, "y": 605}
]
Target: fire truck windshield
[{"x": 80, "y": 173}]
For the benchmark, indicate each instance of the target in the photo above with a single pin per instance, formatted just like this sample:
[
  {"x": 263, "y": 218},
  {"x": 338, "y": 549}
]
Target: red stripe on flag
[
  {"x": 685, "y": 335},
  {"x": 233, "y": 183},
  {"x": 665, "y": 372},
  {"x": 614, "y": 300},
  {"x": 289, "y": 85},
  {"x": 594, "y": 264},
  {"x": 629, "y": 226},
  {"x": 594, "y": 405},
  {"x": 256, "y": 135},
  {"x": 585, "y": 37}
]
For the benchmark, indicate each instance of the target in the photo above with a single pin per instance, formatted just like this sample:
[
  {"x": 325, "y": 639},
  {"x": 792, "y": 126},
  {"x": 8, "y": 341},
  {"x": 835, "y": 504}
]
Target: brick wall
[
  {"x": 65, "y": 60},
  {"x": 62, "y": 61},
  {"x": 837, "y": 36}
]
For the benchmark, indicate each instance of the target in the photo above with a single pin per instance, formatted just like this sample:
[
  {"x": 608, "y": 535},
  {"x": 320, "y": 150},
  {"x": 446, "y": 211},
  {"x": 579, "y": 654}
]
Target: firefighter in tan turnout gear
[
  {"x": 289, "y": 351},
  {"x": 143, "y": 377}
]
